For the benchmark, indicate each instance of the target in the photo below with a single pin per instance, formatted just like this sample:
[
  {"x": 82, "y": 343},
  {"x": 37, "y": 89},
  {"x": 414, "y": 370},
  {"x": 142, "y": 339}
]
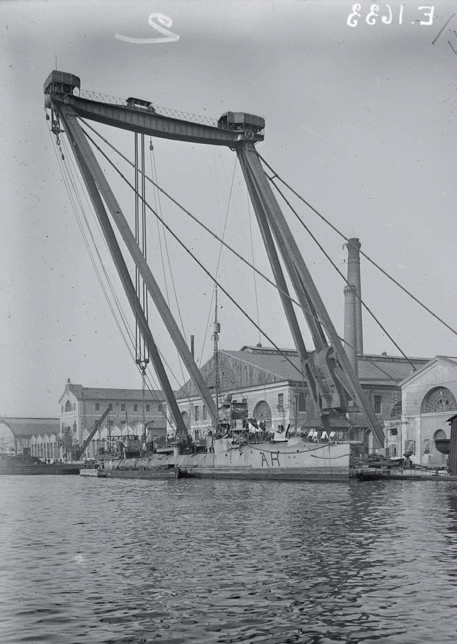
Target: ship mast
[{"x": 217, "y": 383}]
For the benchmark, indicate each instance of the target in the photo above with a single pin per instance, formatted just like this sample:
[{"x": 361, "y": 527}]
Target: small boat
[
  {"x": 31, "y": 465},
  {"x": 91, "y": 471},
  {"x": 153, "y": 473},
  {"x": 128, "y": 469}
]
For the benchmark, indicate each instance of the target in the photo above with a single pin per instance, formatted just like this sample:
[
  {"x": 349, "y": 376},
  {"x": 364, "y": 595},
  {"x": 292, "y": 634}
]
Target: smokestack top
[{"x": 353, "y": 247}]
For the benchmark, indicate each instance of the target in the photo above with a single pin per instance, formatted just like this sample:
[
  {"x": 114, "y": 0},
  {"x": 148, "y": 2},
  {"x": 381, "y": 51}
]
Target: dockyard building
[
  {"x": 262, "y": 386},
  {"x": 122, "y": 412},
  {"x": 429, "y": 400}
]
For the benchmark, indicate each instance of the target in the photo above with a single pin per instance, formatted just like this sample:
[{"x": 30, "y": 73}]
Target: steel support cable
[
  {"x": 227, "y": 246},
  {"x": 161, "y": 230},
  {"x": 158, "y": 206},
  {"x": 205, "y": 270},
  {"x": 340, "y": 273},
  {"x": 384, "y": 272},
  {"x": 220, "y": 250},
  {"x": 313, "y": 237},
  {"x": 213, "y": 235},
  {"x": 71, "y": 184},
  {"x": 105, "y": 292},
  {"x": 108, "y": 280},
  {"x": 96, "y": 196},
  {"x": 153, "y": 393},
  {"x": 123, "y": 316},
  {"x": 202, "y": 225},
  {"x": 95, "y": 246},
  {"x": 137, "y": 237},
  {"x": 69, "y": 180},
  {"x": 189, "y": 214},
  {"x": 253, "y": 263},
  {"x": 144, "y": 234},
  {"x": 140, "y": 238}
]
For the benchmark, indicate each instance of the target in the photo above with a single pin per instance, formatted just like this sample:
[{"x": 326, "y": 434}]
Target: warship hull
[{"x": 293, "y": 460}]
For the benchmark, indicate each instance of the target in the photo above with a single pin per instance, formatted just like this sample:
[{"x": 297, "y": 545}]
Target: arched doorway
[{"x": 262, "y": 413}]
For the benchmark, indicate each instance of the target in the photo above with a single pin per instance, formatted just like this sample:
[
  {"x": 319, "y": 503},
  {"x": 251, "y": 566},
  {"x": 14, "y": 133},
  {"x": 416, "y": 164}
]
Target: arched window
[
  {"x": 439, "y": 434},
  {"x": 185, "y": 417},
  {"x": 68, "y": 406},
  {"x": 262, "y": 413},
  {"x": 438, "y": 399}
]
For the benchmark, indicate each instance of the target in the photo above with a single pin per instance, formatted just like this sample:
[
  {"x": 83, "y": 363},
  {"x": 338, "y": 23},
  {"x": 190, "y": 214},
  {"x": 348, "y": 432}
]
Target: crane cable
[
  {"x": 210, "y": 310},
  {"x": 343, "y": 276},
  {"x": 238, "y": 255},
  {"x": 162, "y": 232},
  {"x": 205, "y": 270},
  {"x": 384, "y": 272},
  {"x": 68, "y": 175},
  {"x": 70, "y": 181}
]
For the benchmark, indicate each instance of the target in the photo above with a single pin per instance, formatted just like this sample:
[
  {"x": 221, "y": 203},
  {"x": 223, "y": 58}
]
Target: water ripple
[{"x": 98, "y": 561}]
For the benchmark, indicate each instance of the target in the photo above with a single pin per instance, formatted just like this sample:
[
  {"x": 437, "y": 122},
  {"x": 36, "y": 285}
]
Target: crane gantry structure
[{"x": 327, "y": 371}]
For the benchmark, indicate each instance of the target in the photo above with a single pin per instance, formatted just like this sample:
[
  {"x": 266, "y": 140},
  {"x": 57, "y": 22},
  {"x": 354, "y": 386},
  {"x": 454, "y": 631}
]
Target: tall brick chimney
[
  {"x": 354, "y": 280},
  {"x": 350, "y": 326}
]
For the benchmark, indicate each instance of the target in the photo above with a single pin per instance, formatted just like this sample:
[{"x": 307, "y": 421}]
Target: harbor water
[{"x": 86, "y": 560}]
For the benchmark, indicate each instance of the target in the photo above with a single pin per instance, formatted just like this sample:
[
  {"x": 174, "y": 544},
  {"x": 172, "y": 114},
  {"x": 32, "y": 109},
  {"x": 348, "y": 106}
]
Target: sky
[{"x": 360, "y": 119}]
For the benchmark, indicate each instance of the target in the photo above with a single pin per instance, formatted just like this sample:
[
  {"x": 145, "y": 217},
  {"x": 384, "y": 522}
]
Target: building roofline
[{"x": 449, "y": 360}]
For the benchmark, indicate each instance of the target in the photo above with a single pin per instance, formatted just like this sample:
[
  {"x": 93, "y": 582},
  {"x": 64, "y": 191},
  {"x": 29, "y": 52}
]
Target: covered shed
[{"x": 18, "y": 434}]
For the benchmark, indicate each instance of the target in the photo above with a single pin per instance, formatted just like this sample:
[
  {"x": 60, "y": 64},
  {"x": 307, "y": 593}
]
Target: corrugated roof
[
  {"x": 269, "y": 366},
  {"x": 372, "y": 368},
  {"x": 279, "y": 366},
  {"x": 29, "y": 426},
  {"x": 382, "y": 370}
]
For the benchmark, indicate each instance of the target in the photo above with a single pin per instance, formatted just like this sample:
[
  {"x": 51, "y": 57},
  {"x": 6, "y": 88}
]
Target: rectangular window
[
  {"x": 281, "y": 402},
  {"x": 197, "y": 413},
  {"x": 301, "y": 402},
  {"x": 377, "y": 404},
  {"x": 159, "y": 407},
  {"x": 204, "y": 413},
  {"x": 135, "y": 407},
  {"x": 148, "y": 407},
  {"x": 97, "y": 406},
  {"x": 122, "y": 406},
  {"x": 110, "y": 406},
  {"x": 393, "y": 450},
  {"x": 427, "y": 446}
]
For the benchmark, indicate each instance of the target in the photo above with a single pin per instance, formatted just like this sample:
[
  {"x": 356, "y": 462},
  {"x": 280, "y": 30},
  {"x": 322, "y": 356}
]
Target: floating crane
[{"x": 327, "y": 371}]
